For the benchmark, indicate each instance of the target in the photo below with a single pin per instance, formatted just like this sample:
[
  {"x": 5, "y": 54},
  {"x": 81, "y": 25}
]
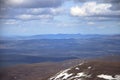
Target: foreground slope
[
  {"x": 93, "y": 70},
  {"x": 36, "y": 71}
]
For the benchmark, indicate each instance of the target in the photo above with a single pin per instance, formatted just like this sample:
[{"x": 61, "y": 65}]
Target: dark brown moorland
[
  {"x": 37, "y": 71},
  {"x": 43, "y": 71},
  {"x": 91, "y": 70}
]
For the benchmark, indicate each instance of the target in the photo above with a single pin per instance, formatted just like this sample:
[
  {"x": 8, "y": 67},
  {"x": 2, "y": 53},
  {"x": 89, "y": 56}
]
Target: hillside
[
  {"x": 44, "y": 71},
  {"x": 91, "y": 70},
  {"x": 36, "y": 71}
]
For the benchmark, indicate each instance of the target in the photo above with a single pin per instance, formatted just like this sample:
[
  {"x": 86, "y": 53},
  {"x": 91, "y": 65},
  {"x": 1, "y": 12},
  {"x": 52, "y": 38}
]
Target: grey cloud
[
  {"x": 115, "y": 6},
  {"x": 1, "y": 3},
  {"x": 29, "y": 13},
  {"x": 31, "y": 3},
  {"x": 36, "y": 8}
]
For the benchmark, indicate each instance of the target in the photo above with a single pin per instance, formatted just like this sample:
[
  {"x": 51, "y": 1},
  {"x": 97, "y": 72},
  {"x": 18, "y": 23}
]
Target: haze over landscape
[{"x": 59, "y": 39}]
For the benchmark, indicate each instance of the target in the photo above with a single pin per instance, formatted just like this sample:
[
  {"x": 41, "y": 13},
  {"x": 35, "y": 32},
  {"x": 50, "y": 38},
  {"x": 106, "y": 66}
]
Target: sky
[{"x": 34, "y": 17}]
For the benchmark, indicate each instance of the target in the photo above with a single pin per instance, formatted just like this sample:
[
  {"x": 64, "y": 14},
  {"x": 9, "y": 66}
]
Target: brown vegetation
[{"x": 38, "y": 71}]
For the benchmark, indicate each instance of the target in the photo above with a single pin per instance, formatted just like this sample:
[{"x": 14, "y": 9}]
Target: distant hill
[
  {"x": 55, "y": 36},
  {"x": 36, "y": 49}
]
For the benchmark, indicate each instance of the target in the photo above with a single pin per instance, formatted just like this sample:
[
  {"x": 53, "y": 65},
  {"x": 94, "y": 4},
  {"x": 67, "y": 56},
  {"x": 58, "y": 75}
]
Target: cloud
[
  {"x": 99, "y": 19},
  {"x": 31, "y": 3},
  {"x": 91, "y": 23},
  {"x": 90, "y": 8},
  {"x": 11, "y": 22},
  {"x": 115, "y": 3},
  {"x": 33, "y": 17},
  {"x": 94, "y": 9},
  {"x": 48, "y": 9},
  {"x": 99, "y": 1},
  {"x": 52, "y": 11},
  {"x": 30, "y": 13},
  {"x": 30, "y": 9}
]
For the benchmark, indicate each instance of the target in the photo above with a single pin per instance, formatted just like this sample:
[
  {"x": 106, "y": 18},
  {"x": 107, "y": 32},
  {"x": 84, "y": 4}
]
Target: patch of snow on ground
[
  {"x": 82, "y": 74},
  {"x": 89, "y": 67},
  {"x": 109, "y": 77},
  {"x": 117, "y": 77},
  {"x": 63, "y": 75},
  {"x": 81, "y": 64},
  {"x": 77, "y": 68}
]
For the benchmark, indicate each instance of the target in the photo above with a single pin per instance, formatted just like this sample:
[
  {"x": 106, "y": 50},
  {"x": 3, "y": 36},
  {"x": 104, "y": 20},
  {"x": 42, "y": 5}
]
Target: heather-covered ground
[{"x": 43, "y": 71}]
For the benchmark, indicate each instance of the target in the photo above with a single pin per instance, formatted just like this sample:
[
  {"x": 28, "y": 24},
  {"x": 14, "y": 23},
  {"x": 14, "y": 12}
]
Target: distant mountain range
[{"x": 55, "y": 36}]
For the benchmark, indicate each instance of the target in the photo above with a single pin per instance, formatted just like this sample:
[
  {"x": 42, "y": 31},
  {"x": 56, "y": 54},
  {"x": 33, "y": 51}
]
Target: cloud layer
[
  {"x": 31, "y": 3},
  {"x": 48, "y": 9},
  {"x": 30, "y": 9}
]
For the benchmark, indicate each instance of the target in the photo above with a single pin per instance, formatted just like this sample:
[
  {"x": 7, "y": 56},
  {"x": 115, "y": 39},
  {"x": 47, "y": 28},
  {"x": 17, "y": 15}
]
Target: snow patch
[
  {"x": 117, "y": 77},
  {"x": 89, "y": 67},
  {"x": 109, "y": 77},
  {"x": 81, "y": 64},
  {"x": 77, "y": 68},
  {"x": 63, "y": 75},
  {"x": 82, "y": 74},
  {"x": 105, "y": 76}
]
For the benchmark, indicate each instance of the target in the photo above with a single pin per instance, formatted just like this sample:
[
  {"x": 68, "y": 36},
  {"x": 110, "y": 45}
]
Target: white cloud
[
  {"x": 57, "y": 10},
  {"x": 91, "y": 23},
  {"x": 33, "y": 17},
  {"x": 76, "y": 11},
  {"x": 52, "y": 11},
  {"x": 11, "y": 22},
  {"x": 24, "y": 17},
  {"x": 91, "y": 9}
]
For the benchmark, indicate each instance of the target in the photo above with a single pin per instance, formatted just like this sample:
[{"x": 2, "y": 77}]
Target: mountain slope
[
  {"x": 93, "y": 70},
  {"x": 36, "y": 71}
]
